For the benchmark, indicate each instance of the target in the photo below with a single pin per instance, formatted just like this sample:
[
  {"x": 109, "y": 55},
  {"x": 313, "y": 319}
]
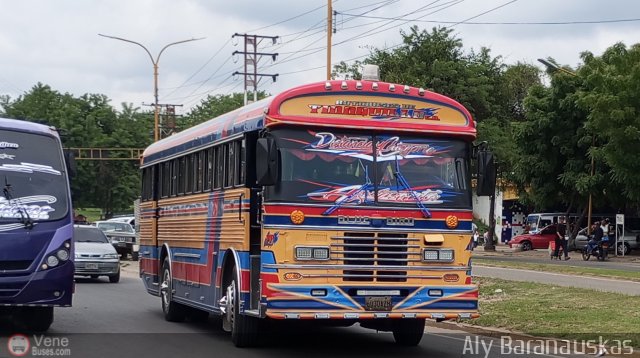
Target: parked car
[
  {"x": 122, "y": 236},
  {"x": 94, "y": 254},
  {"x": 631, "y": 241},
  {"x": 129, "y": 219},
  {"x": 537, "y": 240}
]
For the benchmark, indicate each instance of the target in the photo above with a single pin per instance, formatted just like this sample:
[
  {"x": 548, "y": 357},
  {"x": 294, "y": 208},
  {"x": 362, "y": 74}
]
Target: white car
[
  {"x": 94, "y": 254},
  {"x": 131, "y": 220}
]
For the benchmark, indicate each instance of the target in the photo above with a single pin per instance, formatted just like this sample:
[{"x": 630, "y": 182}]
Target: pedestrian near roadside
[
  {"x": 561, "y": 231},
  {"x": 605, "y": 229},
  {"x": 475, "y": 238}
]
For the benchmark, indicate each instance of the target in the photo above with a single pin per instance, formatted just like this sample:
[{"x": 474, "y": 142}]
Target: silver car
[
  {"x": 122, "y": 237},
  {"x": 631, "y": 241},
  {"x": 94, "y": 254}
]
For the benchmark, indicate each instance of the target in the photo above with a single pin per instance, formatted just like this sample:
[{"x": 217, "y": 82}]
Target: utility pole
[
  {"x": 167, "y": 118},
  {"x": 329, "y": 33},
  {"x": 251, "y": 59},
  {"x": 156, "y": 113}
]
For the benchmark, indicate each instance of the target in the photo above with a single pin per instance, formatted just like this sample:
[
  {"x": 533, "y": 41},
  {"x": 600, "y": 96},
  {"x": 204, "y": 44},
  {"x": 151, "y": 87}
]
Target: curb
[{"x": 493, "y": 332}]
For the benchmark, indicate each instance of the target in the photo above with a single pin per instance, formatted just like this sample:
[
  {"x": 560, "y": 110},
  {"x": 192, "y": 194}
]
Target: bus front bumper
[
  {"x": 52, "y": 287},
  {"x": 285, "y": 301}
]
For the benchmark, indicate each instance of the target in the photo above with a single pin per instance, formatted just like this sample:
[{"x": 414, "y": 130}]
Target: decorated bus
[
  {"x": 340, "y": 200},
  {"x": 36, "y": 224}
]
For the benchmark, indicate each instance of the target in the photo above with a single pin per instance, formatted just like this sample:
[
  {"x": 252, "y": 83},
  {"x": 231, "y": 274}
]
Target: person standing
[{"x": 561, "y": 231}]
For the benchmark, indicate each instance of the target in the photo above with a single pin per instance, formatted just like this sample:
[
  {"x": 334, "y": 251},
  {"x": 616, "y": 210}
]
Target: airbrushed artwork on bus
[
  {"x": 29, "y": 168},
  {"x": 17, "y": 208},
  {"x": 349, "y": 171}
]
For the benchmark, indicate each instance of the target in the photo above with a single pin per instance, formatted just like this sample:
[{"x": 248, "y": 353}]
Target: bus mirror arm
[{"x": 267, "y": 161}]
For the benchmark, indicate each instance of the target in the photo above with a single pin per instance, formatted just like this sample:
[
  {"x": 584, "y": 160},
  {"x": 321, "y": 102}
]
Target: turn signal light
[
  {"x": 452, "y": 221},
  {"x": 297, "y": 217},
  {"x": 293, "y": 276},
  {"x": 451, "y": 277}
]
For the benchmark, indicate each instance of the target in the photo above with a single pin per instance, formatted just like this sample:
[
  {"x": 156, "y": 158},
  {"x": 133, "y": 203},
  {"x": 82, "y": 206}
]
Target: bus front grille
[
  {"x": 368, "y": 251},
  {"x": 14, "y": 265}
]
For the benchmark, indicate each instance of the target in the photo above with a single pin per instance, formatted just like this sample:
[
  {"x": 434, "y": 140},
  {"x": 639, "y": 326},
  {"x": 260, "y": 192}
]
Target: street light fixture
[
  {"x": 555, "y": 67},
  {"x": 156, "y": 114}
]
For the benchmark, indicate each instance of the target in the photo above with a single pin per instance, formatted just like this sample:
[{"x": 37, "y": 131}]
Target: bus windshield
[
  {"x": 342, "y": 168},
  {"x": 32, "y": 177}
]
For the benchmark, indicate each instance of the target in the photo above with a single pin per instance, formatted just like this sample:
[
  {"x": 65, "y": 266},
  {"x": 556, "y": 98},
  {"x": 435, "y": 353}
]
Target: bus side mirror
[
  {"x": 486, "y": 173},
  {"x": 70, "y": 163},
  {"x": 267, "y": 162}
]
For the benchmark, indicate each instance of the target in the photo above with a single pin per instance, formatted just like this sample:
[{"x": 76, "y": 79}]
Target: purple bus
[{"x": 36, "y": 224}]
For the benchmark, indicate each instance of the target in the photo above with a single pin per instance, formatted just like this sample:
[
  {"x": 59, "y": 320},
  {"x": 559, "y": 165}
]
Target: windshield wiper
[
  {"x": 425, "y": 212},
  {"x": 25, "y": 219},
  {"x": 367, "y": 185}
]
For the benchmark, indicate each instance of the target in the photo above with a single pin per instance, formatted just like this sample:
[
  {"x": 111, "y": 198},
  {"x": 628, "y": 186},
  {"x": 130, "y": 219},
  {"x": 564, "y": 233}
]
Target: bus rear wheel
[
  {"x": 408, "y": 332},
  {"x": 37, "y": 319}
]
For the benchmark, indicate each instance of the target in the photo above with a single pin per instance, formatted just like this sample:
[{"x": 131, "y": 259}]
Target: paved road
[
  {"x": 576, "y": 260},
  {"x": 122, "y": 320},
  {"x": 595, "y": 283}
]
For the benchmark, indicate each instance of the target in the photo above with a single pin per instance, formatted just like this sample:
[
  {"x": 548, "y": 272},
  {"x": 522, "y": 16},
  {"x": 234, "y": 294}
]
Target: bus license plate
[
  {"x": 378, "y": 303},
  {"x": 91, "y": 266}
]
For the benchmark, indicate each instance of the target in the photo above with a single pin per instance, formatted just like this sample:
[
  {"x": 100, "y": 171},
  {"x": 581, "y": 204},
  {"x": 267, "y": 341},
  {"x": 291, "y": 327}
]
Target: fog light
[
  {"x": 319, "y": 292},
  {"x": 56, "y": 293}
]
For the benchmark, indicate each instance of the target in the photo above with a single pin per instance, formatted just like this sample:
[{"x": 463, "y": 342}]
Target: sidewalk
[{"x": 505, "y": 251}]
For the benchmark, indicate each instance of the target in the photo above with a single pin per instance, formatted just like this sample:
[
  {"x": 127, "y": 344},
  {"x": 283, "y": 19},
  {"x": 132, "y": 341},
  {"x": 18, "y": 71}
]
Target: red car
[{"x": 538, "y": 240}]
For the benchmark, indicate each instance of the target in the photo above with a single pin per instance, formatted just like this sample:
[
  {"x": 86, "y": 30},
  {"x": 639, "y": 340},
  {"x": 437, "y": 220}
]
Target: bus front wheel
[
  {"x": 37, "y": 319},
  {"x": 173, "y": 311},
  {"x": 243, "y": 328},
  {"x": 408, "y": 332}
]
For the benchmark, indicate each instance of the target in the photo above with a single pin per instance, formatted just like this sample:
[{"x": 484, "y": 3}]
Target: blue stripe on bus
[{"x": 285, "y": 220}]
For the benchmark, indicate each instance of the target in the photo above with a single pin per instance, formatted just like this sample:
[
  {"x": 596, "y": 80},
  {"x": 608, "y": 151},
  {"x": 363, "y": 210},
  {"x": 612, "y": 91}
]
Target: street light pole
[{"x": 156, "y": 112}]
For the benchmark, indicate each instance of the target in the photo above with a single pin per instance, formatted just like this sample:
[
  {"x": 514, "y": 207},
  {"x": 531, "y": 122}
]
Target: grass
[
  {"x": 92, "y": 214},
  {"x": 558, "y": 312},
  {"x": 564, "y": 268}
]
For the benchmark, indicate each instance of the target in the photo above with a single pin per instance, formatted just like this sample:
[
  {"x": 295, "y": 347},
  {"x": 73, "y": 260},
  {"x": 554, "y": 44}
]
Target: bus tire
[
  {"x": 408, "y": 332},
  {"x": 37, "y": 319},
  {"x": 244, "y": 329},
  {"x": 173, "y": 311}
]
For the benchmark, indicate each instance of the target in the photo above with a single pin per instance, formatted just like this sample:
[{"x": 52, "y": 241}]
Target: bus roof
[
  {"x": 7, "y": 123},
  {"x": 337, "y": 104}
]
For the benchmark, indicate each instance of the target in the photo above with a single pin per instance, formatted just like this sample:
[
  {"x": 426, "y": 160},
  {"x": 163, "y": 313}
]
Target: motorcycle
[{"x": 599, "y": 250}]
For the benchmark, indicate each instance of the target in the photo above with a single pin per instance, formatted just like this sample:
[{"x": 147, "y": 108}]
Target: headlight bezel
[
  {"x": 438, "y": 252},
  {"x": 323, "y": 253}
]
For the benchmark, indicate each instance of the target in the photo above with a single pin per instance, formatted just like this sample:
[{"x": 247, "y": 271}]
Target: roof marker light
[
  {"x": 374, "y": 86},
  {"x": 421, "y": 91},
  {"x": 406, "y": 89},
  {"x": 392, "y": 88},
  {"x": 343, "y": 85},
  {"x": 359, "y": 85},
  {"x": 327, "y": 85}
]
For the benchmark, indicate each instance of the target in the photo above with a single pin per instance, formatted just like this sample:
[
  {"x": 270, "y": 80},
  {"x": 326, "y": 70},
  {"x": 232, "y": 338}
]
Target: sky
[{"x": 57, "y": 43}]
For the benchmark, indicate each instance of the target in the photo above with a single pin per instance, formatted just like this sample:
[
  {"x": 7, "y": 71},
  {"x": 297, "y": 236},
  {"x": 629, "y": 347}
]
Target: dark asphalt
[{"x": 122, "y": 320}]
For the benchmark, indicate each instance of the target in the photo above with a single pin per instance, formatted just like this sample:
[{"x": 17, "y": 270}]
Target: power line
[{"x": 503, "y": 23}]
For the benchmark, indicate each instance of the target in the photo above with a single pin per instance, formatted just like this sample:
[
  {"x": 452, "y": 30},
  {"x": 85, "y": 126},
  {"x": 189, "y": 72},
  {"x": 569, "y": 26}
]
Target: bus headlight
[
  {"x": 62, "y": 254},
  {"x": 436, "y": 255},
  {"x": 312, "y": 253},
  {"x": 52, "y": 261}
]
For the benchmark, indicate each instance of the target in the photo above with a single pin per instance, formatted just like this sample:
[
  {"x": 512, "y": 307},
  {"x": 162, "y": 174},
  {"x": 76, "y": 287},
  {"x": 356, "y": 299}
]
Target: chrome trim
[
  {"x": 182, "y": 254},
  {"x": 438, "y": 315},
  {"x": 375, "y": 252},
  {"x": 291, "y": 316},
  {"x": 370, "y": 276},
  {"x": 365, "y": 267},
  {"x": 369, "y": 238},
  {"x": 409, "y": 315},
  {"x": 401, "y": 268},
  {"x": 351, "y": 315},
  {"x": 322, "y": 316},
  {"x": 379, "y": 245}
]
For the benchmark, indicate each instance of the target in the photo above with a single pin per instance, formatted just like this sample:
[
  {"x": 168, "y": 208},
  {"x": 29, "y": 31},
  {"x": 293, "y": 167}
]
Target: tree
[
  {"x": 610, "y": 95},
  {"x": 215, "y": 105}
]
